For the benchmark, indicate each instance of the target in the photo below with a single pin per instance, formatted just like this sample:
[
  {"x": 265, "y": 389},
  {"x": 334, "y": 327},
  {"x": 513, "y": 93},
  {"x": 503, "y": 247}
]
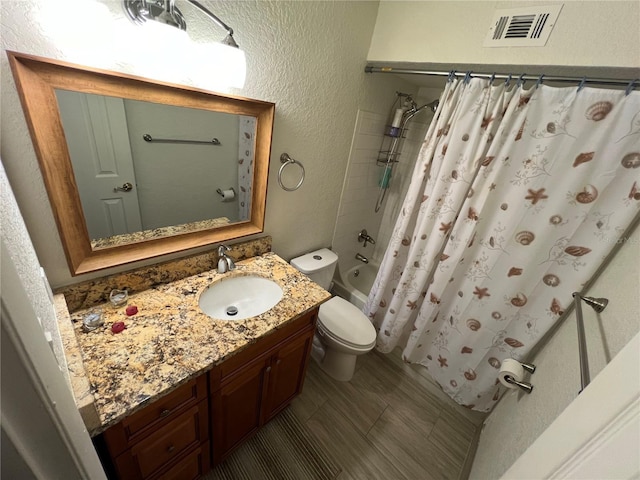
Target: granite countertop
[{"x": 170, "y": 340}]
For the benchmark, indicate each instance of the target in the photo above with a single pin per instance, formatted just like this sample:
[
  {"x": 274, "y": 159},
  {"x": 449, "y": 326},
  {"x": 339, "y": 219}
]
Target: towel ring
[{"x": 285, "y": 159}]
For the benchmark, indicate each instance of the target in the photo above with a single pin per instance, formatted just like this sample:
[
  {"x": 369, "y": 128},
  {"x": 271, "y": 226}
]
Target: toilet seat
[{"x": 345, "y": 323}]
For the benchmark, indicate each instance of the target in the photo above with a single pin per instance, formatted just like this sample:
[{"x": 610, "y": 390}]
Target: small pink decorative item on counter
[
  {"x": 131, "y": 310},
  {"x": 118, "y": 327}
]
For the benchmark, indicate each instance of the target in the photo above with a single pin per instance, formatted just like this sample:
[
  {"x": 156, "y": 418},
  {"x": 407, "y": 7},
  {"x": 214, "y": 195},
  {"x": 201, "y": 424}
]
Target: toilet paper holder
[
  {"x": 524, "y": 386},
  {"x": 222, "y": 194}
]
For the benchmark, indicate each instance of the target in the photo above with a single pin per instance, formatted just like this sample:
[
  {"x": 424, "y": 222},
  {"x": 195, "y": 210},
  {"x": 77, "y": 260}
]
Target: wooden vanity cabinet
[
  {"x": 252, "y": 387},
  {"x": 175, "y": 437}
]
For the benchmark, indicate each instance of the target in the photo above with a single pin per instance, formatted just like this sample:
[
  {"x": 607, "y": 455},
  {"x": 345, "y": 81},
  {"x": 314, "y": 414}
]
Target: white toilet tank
[{"x": 319, "y": 266}]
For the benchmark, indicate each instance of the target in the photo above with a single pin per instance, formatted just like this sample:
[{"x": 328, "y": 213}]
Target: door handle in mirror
[{"x": 127, "y": 187}]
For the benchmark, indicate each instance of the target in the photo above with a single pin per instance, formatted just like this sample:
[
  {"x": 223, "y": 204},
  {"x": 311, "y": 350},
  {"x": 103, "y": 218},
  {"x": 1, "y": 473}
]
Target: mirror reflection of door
[
  {"x": 98, "y": 141},
  {"x": 128, "y": 184}
]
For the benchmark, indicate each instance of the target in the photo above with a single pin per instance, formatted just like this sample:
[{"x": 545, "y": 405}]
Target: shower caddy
[{"x": 390, "y": 149}]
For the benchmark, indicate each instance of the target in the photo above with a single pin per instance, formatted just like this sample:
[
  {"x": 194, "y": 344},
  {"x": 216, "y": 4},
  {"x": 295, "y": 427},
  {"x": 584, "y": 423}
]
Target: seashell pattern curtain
[
  {"x": 246, "y": 151},
  {"x": 516, "y": 198}
]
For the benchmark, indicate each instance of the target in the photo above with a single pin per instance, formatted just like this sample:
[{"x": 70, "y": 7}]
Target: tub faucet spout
[{"x": 362, "y": 258}]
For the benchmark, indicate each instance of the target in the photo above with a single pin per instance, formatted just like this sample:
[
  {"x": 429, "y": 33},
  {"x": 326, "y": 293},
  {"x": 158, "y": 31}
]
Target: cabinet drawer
[
  {"x": 193, "y": 466},
  {"x": 182, "y": 434},
  {"x": 137, "y": 426}
]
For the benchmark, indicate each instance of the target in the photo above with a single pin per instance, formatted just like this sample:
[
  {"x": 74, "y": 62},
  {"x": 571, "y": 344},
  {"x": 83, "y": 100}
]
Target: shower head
[
  {"x": 408, "y": 114},
  {"x": 433, "y": 106}
]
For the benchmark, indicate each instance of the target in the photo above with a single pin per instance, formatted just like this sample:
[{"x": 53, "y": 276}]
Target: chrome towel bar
[
  {"x": 598, "y": 304},
  {"x": 149, "y": 138}
]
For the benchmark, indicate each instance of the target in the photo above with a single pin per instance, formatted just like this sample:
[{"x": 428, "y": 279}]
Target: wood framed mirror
[{"x": 43, "y": 85}]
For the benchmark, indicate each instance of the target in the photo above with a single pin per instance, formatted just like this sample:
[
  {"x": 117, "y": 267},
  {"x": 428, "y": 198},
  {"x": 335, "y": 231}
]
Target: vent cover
[{"x": 522, "y": 27}]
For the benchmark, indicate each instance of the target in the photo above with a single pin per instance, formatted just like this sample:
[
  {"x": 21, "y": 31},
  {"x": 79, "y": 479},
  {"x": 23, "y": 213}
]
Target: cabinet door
[
  {"x": 236, "y": 408},
  {"x": 286, "y": 376}
]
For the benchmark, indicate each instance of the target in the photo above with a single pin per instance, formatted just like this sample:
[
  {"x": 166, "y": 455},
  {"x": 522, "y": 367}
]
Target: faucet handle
[{"x": 363, "y": 236}]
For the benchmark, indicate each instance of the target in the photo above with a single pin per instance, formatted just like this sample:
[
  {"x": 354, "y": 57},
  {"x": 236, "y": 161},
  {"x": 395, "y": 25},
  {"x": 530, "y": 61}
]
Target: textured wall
[
  {"x": 16, "y": 238},
  {"x": 519, "y": 418},
  {"x": 306, "y": 57},
  {"x": 603, "y": 34}
]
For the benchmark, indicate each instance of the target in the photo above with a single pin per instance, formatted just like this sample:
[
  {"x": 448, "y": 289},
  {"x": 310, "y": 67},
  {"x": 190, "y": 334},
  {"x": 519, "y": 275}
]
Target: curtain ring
[
  {"x": 493, "y": 77},
  {"x": 467, "y": 77},
  {"x": 631, "y": 86},
  {"x": 508, "y": 80},
  {"x": 285, "y": 159},
  {"x": 582, "y": 82},
  {"x": 539, "y": 82},
  {"x": 521, "y": 80},
  {"x": 452, "y": 75}
]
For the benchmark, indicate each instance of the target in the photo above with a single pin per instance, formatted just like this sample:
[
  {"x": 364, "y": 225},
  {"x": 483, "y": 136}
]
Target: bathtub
[{"x": 354, "y": 285}]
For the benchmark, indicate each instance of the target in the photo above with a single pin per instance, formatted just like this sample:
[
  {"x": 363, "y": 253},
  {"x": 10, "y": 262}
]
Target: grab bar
[
  {"x": 149, "y": 138},
  {"x": 598, "y": 304}
]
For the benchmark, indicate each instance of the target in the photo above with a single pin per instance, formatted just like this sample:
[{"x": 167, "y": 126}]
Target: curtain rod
[{"x": 523, "y": 77}]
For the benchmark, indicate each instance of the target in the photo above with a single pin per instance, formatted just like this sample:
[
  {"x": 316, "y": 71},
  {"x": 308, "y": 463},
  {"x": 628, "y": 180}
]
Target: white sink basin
[{"x": 239, "y": 297}]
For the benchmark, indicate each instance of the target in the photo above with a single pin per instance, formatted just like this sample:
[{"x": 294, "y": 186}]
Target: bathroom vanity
[
  {"x": 172, "y": 438},
  {"x": 177, "y": 390}
]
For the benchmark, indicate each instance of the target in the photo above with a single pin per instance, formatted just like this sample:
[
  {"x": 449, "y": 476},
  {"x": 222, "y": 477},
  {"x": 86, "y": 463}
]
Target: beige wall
[
  {"x": 587, "y": 33},
  {"x": 306, "y": 57}
]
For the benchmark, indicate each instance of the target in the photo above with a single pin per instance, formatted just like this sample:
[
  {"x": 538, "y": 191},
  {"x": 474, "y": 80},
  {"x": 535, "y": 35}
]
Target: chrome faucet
[
  {"x": 363, "y": 236},
  {"x": 362, "y": 258},
  {"x": 225, "y": 262}
]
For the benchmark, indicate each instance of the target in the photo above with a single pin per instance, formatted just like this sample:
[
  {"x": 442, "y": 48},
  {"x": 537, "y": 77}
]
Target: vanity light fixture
[{"x": 225, "y": 56}]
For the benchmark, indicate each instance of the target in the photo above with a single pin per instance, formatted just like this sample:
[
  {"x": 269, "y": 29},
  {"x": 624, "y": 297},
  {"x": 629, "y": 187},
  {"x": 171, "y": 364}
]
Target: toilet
[{"x": 343, "y": 331}]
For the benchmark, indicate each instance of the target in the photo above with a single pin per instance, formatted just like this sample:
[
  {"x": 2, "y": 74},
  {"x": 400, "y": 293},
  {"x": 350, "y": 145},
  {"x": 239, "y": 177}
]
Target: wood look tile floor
[{"x": 389, "y": 422}]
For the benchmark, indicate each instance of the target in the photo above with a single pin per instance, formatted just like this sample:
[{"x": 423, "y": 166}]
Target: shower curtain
[
  {"x": 516, "y": 198},
  {"x": 246, "y": 151}
]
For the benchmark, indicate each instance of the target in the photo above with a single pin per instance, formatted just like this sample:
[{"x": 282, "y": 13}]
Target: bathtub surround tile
[
  {"x": 360, "y": 189},
  {"x": 94, "y": 292},
  {"x": 416, "y": 436},
  {"x": 369, "y": 139}
]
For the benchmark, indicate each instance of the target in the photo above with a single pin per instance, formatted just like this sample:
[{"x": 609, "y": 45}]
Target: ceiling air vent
[{"x": 522, "y": 27}]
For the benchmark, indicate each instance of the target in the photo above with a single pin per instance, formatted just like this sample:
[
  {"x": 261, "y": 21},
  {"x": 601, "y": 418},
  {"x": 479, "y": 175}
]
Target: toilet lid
[{"x": 344, "y": 321}]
